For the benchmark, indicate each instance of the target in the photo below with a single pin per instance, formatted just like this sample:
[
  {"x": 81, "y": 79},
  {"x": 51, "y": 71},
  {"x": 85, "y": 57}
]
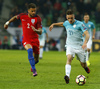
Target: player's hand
[
  {"x": 33, "y": 28},
  {"x": 83, "y": 34},
  {"x": 5, "y": 26},
  {"x": 84, "y": 46},
  {"x": 51, "y": 27},
  {"x": 93, "y": 37}
]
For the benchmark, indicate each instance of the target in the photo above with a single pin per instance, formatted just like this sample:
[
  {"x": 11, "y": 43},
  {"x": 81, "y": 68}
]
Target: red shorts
[{"x": 34, "y": 44}]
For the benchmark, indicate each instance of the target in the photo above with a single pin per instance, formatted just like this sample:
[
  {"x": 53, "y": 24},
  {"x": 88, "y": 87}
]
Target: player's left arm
[
  {"x": 38, "y": 26},
  {"x": 87, "y": 36},
  {"x": 85, "y": 32},
  {"x": 86, "y": 39},
  {"x": 94, "y": 30},
  {"x": 38, "y": 31}
]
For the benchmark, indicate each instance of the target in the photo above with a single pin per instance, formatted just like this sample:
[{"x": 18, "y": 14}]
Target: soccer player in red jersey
[{"x": 31, "y": 24}]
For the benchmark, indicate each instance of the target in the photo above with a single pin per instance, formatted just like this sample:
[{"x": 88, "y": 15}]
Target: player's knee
[
  {"x": 36, "y": 61},
  {"x": 30, "y": 53},
  {"x": 69, "y": 59}
]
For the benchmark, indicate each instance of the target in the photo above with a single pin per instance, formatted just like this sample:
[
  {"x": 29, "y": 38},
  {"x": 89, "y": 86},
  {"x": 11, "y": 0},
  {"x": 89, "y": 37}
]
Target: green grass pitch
[{"x": 15, "y": 71}]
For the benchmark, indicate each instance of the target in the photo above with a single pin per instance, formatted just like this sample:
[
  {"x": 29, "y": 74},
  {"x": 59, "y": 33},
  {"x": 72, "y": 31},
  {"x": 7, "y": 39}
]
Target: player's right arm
[
  {"x": 8, "y": 22},
  {"x": 94, "y": 30},
  {"x": 47, "y": 37},
  {"x": 55, "y": 24}
]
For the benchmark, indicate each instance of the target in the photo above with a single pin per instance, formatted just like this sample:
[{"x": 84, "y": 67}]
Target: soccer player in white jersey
[
  {"x": 90, "y": 26},
  {"x": 42, "y": 41},
  {"x": 74, "y": 43}
]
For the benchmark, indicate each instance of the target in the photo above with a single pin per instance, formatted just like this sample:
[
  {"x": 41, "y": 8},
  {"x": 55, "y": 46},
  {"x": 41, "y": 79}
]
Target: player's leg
[
  {"x": 29, "y": 49},
  {"x": 68, "y": 67},
  {"x": 41, "y": 52},
  {"x": 36, "y": 52},
  {"x": 42, "y": 43},
  {"x": 89, "y": 44},
  {"x": 35, "y": 46},
  {"x": 68, "y": 64},
  {"x": 84, "y": 65},
  {"x": 87, "y": 57},
  {"x": 36, "y": 56},
  {"x": 81, "y": 56}
]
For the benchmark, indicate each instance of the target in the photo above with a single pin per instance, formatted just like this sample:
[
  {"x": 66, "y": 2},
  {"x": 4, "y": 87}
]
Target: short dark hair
[
  {"x": 69, "y": 12},
  {"x": 86, "y": 14},
  {"x": 31, "y": 5}
]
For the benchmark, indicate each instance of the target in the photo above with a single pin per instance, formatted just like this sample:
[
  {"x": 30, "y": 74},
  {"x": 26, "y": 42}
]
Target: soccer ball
[{"x": 80, "y": 80}]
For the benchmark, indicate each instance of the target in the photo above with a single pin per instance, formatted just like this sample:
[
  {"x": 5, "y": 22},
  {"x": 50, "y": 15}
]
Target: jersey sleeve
[
  {"x": 64, "y": 24},
  {"x": 83, "y": 27},
  {"x": 93, "y": 26},
  {"x": 39, "y": 22},
  {"x": 19, "y": 15},
  {"x": 45, "y": 30}
]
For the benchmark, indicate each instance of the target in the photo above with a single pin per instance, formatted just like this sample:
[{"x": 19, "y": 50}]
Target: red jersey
[{"x": 27, "y": 22}]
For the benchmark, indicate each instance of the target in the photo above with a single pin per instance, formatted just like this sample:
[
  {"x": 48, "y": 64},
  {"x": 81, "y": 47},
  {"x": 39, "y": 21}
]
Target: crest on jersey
[
  {"x": 85, "y": 28},
  {"x": 83, "y": 25},
  {"x": 32, "y": 20},
  {"x": 74, "y": 26},
  {"x": 89, "y": 25}
]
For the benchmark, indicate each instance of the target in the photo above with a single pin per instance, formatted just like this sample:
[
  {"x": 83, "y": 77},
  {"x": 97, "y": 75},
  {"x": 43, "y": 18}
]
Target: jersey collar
[{"x": 74, "y": 22}]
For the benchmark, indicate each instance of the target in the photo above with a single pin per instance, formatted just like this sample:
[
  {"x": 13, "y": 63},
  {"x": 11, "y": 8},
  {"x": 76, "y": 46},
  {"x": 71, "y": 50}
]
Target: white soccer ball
[{"x": 80, "y": 80}]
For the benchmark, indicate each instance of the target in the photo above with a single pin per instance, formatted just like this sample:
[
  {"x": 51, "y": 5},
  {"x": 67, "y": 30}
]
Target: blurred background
[{"x": 51, "y": 11}]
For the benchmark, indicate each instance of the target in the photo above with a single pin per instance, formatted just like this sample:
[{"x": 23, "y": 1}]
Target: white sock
[
  {"x": 67, "y": 69},
  {"x": 87, "y": 56},
  {"x": 41, "y": 52}
]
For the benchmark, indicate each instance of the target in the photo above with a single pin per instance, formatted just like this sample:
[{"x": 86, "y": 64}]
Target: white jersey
[
  {"x": 89, "y": 26},
  {"x": 74, "y": 33},
  {"x": 42, "y": 37}
]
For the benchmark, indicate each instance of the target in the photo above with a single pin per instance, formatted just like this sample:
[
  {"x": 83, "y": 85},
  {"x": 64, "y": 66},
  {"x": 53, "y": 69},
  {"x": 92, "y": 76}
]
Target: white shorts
[
  {"x": 89, "y": 44},
  {"x": 42, "y": 42},
  {"x": 80, "y": 53}
]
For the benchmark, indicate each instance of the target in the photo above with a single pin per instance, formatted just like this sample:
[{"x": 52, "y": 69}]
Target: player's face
[
  {"x": 86, "y": 18},
  {"x": 32, "y": 12},
  {"x": 70, "y": 18}
]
